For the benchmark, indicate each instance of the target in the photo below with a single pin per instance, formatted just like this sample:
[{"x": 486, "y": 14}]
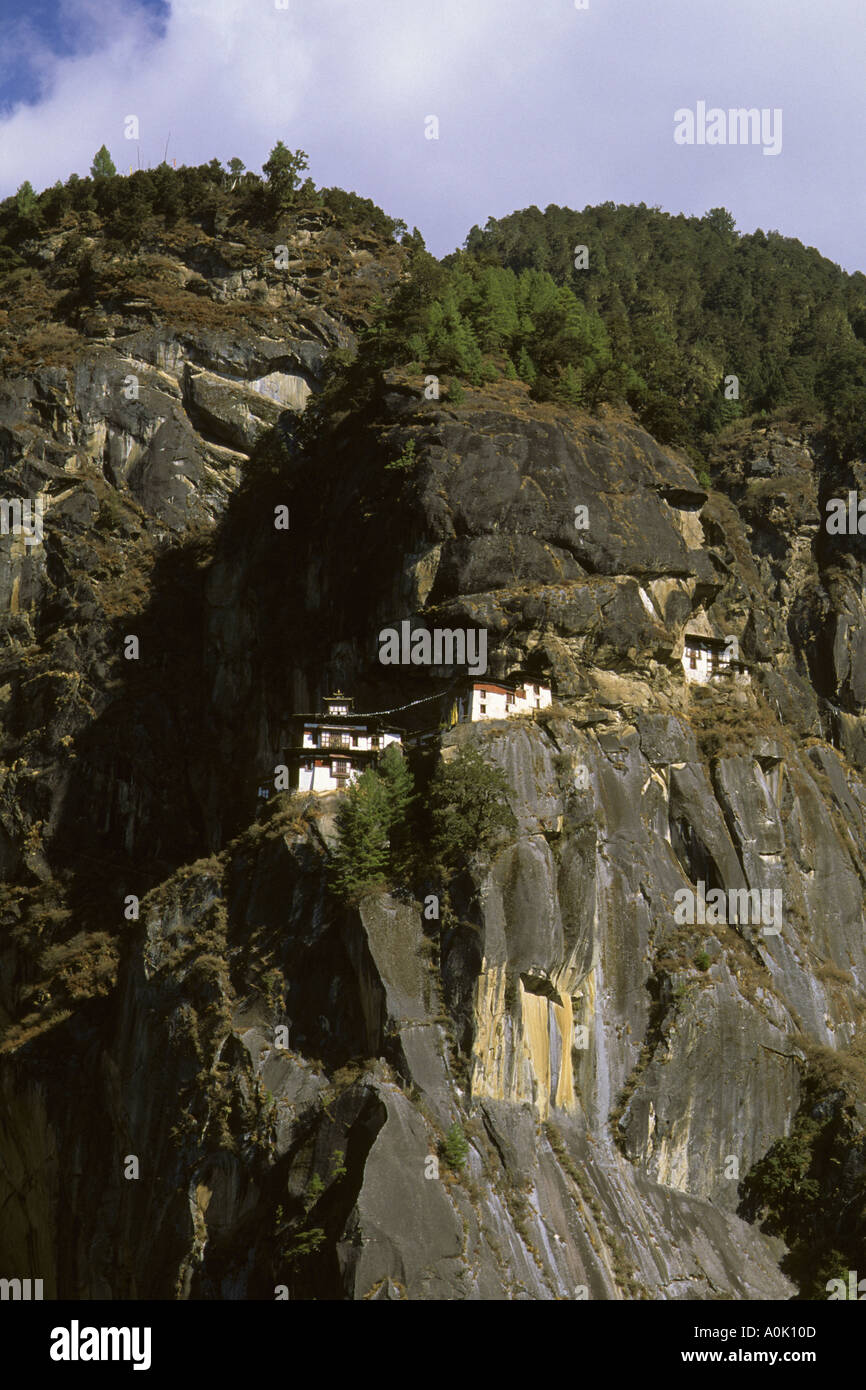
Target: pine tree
[
  {"x": 394, "y": 772},
  {"x": 57, "y": 204},
  {"x": 451, "y": 339},
  {"x": 525, "y": 366},
  {"x": 569, "y": 387},
  {"x": 25, "y": 200},
  {"x": 455, "y": 1148},
  {"x": 283, "y": 169},
  {"x": 396, "y": 777},
  {"x": 308, "y": 193},
  {"x": 102, "y": 166},
  {"x": 536, "y": 292},
  {"x": 494, "y": 312},
  {"x": 414, "y": 241},
  {"x": 574, "y": 323},
  {"x": 359, "y": 859},
  {"x": 469, "y": 807},
  {"x": 721, "y": 221}
]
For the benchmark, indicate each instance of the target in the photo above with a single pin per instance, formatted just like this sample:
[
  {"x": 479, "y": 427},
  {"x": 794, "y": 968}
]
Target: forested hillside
[
  {"x": 686, "y": 301},
  {"x": 444, "y": 1036},
  {"x": 634, "y": 305},
  {"x": 626, "y": 304}
]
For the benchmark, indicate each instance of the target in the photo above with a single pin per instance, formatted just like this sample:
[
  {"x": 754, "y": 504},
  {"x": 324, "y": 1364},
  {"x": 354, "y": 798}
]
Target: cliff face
[{"x": 283, "y": 1069}]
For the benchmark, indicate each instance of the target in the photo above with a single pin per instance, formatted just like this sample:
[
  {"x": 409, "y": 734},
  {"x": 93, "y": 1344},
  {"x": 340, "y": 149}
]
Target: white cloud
[
  {"x": 537, "y": 101},
  {"x": 213, "y": 75},
  {"x": 231, "y": 76}
]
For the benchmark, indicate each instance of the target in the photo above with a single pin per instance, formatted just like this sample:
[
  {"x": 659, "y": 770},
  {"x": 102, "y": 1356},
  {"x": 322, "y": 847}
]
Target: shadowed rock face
[{"x": 283, "y": 1069}]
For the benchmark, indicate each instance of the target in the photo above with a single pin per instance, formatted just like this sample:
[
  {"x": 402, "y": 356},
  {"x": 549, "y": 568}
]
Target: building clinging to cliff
[
  {"x": 330, "y": 749},
  {"x": 707, "y": 659},
  {"x": 486, "y": 699}
]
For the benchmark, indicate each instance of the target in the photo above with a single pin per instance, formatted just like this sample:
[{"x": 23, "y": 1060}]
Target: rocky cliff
[{"x": 217, "y": 1080}]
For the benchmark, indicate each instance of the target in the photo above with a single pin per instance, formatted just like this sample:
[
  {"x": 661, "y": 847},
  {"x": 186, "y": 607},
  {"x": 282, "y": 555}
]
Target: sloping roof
[
  {"x": 701, "y": 639},
  {"x": 515, "y": 680},
  {"x": 358, "y": 720}
]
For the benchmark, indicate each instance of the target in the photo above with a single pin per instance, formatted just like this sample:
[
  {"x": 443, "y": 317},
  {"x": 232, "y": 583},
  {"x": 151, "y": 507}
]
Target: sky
[{"x": 537, "y": 102}]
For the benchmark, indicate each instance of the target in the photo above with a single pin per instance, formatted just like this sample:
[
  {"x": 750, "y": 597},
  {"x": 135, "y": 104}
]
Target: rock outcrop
[{"x": 218, "y": 1081}]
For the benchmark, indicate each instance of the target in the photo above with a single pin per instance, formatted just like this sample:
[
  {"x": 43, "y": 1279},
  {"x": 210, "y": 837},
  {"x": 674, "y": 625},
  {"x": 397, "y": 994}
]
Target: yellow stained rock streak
[{"x": 528, "y": 1059}]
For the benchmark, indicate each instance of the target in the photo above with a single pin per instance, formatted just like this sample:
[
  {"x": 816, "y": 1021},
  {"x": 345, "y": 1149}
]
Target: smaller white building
[
  {"x": 483, "y": 699},
  {"x": 331, "y": 749},
  {"x": 708, "y": 659}
]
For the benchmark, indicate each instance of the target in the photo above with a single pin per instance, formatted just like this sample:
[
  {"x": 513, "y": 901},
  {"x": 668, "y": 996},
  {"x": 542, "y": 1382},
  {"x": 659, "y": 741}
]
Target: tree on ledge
[
  {"x": 25, "y": 200},
  {"x": 358, "y": 862},
  {"x": 103, "y": 165},
  {"x": 283, "y": 168},
  {"x": 469, "y": 808}
]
